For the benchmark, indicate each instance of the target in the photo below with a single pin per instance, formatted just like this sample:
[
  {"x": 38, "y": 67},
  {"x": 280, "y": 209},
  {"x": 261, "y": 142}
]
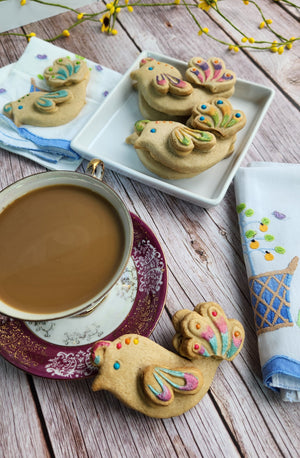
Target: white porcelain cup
[{"x": 93, "y": 183}]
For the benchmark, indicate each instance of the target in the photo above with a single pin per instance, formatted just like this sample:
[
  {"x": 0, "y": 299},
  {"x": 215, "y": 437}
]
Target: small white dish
[{"x": 104, "y": 137}]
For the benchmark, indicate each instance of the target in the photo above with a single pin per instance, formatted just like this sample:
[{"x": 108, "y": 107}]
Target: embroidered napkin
[
  {"x": 268, "y": 205},
  {"x": 49, "y": 146}
]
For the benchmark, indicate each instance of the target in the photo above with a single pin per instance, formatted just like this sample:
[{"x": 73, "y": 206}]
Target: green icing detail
[
  {"x": 225, "y": 120},
  {"x": 206, "y": 136},
  {"x": 139, "y": 125},
  {"x": 215, "y": 117},
  {"x": 185, "y": 141},
  {"x": 265, "y": 221},
  {"x": 232, "y": 123},
  {"x": 249, "y": 212},
  {"x": 40, "y": 77}
]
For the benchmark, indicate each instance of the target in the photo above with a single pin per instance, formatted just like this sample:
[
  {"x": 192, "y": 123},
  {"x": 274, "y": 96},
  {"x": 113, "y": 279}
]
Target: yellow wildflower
[
  {"x": 206, "y": 4},
  {"x": 230, "y": 47},
  {"x": 23, "y": 2},
  {"x": 236, "y": 49},
  {"x": 244, "y": 39},
  {"x": 114, "y": 32},
  {"x": 280, "y": 49},
  {"x": 105, "y": 21},
  {"x": 251, "y": 40},
  {"x": 262, "y": 25},
  {"x": 66, "y": 33},
  {"x": 118, "y": 10},
  {"x": 205, "y": 30},
  {"x": 200, "y": 32},
  {"x": 130, "y": 9},
  {"x": 269, "y": 21},
  {"x": 246, "y": 2},
  {"x": 176, "y": 2},
  {"x": 80, "y": 16}
]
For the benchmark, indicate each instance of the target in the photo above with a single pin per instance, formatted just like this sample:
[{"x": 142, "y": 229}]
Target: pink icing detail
[
  {"x": 207, "y": 74},
  {"x": 208, "y": 334},
  {"x": 181, "y": 84},
  {"x": 196, "y": 347},
  {"x": 236, "y": 341},
  {"x": 161, "y": 81},
  {"x": 191, "y": 382},
  {"x": 101, "y": 343},
  {"x": 202, "y": 350},
  {"x": 221, "y": 324},
  {"x": 165, "y": 395},
  {"x": 217, "y": 74}
]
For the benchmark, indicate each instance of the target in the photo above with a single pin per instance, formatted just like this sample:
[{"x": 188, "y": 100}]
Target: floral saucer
[{"x": 60, "y": 349}]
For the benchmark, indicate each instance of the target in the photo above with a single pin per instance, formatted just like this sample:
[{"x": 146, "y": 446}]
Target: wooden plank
[{"x": 20, "y": 427}]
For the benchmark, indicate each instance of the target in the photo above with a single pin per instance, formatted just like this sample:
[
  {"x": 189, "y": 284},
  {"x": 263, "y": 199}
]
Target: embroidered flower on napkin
[{"x": 268, "y": 198}]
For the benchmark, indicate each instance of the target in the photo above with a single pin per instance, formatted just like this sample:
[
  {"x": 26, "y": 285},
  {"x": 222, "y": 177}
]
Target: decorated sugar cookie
[
  {"x": 172, "y": 150},
  {"x": 162, "y": 87},
  {"x": 160, "y": 383},
  {"x": 68, "y": 80}
]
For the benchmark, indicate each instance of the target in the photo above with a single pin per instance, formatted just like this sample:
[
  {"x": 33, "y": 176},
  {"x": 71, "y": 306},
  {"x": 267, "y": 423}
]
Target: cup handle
[{"x": 96, "y": 168}]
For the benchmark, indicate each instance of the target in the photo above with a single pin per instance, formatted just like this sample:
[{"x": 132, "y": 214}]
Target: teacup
[{"x": 65, "y": 240}]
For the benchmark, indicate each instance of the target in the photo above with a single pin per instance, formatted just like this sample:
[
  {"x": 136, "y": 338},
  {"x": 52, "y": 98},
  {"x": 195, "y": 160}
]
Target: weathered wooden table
[{"x": 238, "y": 416}]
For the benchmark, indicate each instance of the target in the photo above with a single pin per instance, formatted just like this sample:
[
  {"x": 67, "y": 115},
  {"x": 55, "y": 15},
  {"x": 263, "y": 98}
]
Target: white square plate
[{"x": 104, "y": 136}]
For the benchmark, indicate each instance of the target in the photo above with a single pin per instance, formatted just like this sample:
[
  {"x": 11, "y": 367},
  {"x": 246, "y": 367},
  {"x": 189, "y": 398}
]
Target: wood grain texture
[{"x": 238, "y": 416}]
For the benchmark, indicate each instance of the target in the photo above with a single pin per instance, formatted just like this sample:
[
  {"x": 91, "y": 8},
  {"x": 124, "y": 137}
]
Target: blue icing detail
[
  {"x": 62, "y": 72},
  {"x": 7, "y": 108},
  {"x": 232, "y": 350},
  {"x": 97, "y": 359},
  {"x": 150, "y": 68},
  {"x": 214, "y": 344},
  {"x": 220, "y": 102},
  {"x": 117, "y": 366},
  {"x": 70, "y": 69},
  {"x": 20, "y": 107},
  {"x": 203, "y": 107},
  {"x": 224, "y": 337},
  {"x": 152, "y": 131},
  {"x": 202, "y": 118}
]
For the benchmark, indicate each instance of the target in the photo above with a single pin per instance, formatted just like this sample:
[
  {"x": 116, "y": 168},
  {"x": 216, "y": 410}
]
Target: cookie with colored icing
[
  {"x": 61, "y": 104},
  {"x": 172, "y": 150},
  {"x": 158, "y": 382},
  {"x": 66, "y": 72},
  {"x": 211, "y": 74},
  {"x": 218, "y": 117},
  {"x": 162, "y": 87}
]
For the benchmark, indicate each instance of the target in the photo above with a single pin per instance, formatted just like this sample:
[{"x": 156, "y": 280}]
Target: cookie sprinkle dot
[
  {"x": 153, "y": 131},
  {"x": 238, "y": 115},
  {"x": 119, "y": 345},
  {"x": 20, "y": 107},
  {"x": 127, "y": 341},
  {"x": 196, "y": 347},
  {"x": 117, "y": 366},
  {"x": 237, "y": 334},
  {"x": 135, "y": 341},
  {"x": 198, "y": 326},
  {"x": 150, "y": 68},
  {"x": 214, "y": 313},
  {"x": 203, "y": 107},
  {"x": 220, "y": 102},
  {"x": 202, "y": 118}
]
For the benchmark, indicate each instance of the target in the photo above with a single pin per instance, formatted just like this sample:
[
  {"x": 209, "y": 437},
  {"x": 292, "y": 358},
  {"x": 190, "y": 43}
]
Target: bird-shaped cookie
[
  {"x": 158, "y": 382},
  {"x": 164, "y": 92},
  {"x": 62, "y": 103},
  {"x": 172, "y": 150}
]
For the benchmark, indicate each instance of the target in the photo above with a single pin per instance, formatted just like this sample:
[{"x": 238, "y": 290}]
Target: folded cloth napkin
[
  {"x": 49, "y": 146},
  {"x": 268, "y": 196}
]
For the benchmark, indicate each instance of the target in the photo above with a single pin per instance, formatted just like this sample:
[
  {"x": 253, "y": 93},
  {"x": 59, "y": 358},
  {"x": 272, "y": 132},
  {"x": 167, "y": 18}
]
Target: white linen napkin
[
  {"x": 268, "y": 205},
  {"x": 49, "y": 146}
]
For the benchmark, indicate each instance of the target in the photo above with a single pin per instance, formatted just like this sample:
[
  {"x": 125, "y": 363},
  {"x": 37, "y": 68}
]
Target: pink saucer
[{"x": 28, "y": 346}]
